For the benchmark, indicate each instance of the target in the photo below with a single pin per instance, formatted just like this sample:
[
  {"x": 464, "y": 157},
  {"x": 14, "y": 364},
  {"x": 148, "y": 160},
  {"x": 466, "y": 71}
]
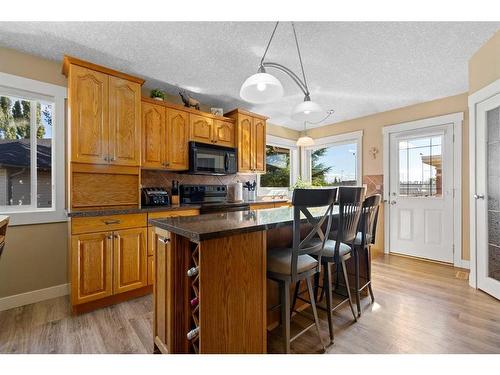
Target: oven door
[{"x": 211, "y": 160}]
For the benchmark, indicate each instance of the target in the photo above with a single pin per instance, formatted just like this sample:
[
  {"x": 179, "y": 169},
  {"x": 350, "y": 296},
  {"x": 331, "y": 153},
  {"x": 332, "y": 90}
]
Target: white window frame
[
  {"x": 40, "y": 91},
  {"x": 272, "y": 140},
  {"x": 335, "y": 140}
]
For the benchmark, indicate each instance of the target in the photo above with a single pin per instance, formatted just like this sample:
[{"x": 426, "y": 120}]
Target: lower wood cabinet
[
  {"x": 130, "y": 269},
  {"x": 108, "y": 263},
  {"x": 92, "y": 264}
]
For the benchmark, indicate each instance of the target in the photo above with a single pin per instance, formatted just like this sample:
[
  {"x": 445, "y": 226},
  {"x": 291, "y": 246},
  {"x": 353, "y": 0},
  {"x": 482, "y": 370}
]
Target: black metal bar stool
[
  {"x": 339, "y": 248},
  {"x": 291, "y": 265},
  {"x": 364, "y": 239}
]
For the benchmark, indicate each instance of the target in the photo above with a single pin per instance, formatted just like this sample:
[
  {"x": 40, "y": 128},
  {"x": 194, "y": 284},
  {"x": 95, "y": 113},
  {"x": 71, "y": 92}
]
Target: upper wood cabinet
[
  {"x": 88, "y": 103},
  {"x": 224, "y": 133},
  {"x": 250, "y": 140},
  {"x": 153, "y": 135},
  {"x": 105, "y": 114},
  {"x": 202, "y": 129},
  {"x": 177, "y": 138},
  {"x": 124, "y": 122},
  {"x": 215, "y": 131}
]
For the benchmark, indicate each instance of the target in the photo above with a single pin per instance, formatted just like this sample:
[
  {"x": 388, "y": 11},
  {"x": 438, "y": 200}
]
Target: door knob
[
  {"x": 478, "y": 196},
  {"x": 393, "y": 202}
]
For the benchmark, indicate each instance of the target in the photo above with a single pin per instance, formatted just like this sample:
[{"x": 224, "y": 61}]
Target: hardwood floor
[{"x": 420, "y": 307}]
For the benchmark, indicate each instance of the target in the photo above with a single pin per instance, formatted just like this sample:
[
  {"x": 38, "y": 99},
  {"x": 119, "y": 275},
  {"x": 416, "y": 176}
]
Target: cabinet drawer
[
  {"x": 173, "y": 213},
  {"x": 107, "y": 223}
]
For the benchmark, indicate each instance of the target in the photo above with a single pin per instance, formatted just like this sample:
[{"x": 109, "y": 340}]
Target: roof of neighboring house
[{"x": 16, "y": 153}]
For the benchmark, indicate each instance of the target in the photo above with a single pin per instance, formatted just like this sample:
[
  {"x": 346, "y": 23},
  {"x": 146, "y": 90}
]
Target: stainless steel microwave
[{"x": 211, "y": 159}]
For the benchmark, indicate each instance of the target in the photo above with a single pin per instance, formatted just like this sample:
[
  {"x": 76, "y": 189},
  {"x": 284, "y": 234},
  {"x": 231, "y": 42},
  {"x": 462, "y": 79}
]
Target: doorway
[
  {"x": 422, "y": 174},
  {"x": 485, "y": 189}
]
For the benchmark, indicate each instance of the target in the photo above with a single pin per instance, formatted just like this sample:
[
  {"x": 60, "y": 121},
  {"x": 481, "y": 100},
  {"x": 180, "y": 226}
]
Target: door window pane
[
  {"x": 420, "y": 167},
  {"x": 493, "y": 182},
  {"x": 277, "y": 167},
  {"x": 334, "y": 165},
  {"x": 15, "y": 151}
]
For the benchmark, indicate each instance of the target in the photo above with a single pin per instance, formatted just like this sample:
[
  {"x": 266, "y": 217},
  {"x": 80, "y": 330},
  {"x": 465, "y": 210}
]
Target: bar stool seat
[
  {"x": 280, "y": 261},
  {"x": 329, "y": 250}
]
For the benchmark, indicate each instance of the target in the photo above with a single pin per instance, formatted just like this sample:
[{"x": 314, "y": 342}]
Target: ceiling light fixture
[{"x": 263, "y": 87}]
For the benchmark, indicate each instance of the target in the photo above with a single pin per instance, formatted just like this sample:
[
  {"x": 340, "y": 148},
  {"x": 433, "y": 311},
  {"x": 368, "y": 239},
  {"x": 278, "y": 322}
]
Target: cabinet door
[
  {"x": 162, "y": 293},
  {"x": 130, "y": 260},
  {"x": 224, "y": 133},
  {"x": 151, "y": 267},
  {"x": 91, "y": 267},
  {"x": 125, "y": 122},
  {"x": 177, "y": 139},
  {"x": 259, "y": 145},
  {"x": 245, "y": 125},
  {"x": 89, "y": 115},
  {"x": 201, "y": 128},
  {"x": 153, "y": 136}
]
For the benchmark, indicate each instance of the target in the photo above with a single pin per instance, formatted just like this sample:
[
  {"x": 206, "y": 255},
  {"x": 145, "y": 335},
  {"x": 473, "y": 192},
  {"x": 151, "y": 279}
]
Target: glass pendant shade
[
  {"x": 261, "y": 88},
  {"x": 308, "y": 111},
  {"x": 305, "y": 141}
]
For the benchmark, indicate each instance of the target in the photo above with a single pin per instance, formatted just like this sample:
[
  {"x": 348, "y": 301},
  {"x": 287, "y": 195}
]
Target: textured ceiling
[{"x": 356, "y": 68}]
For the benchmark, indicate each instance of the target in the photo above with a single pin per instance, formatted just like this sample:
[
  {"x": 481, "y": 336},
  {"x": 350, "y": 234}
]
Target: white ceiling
[{"x": 356, "y": 68}]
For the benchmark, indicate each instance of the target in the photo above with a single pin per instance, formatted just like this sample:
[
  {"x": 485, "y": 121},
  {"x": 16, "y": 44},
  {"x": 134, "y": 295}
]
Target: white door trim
[
  {"x": 453, "y": 118},
  {"x": 474, "y": 99}
]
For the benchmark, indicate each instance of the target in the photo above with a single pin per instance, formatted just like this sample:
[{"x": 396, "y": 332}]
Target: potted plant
[{"x": 157, "y": 94}]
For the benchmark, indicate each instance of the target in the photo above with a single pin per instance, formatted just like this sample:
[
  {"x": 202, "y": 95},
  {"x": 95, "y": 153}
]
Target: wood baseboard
[
  {"x": 111, "y": 300},
  {"x": 34, "y": 296}
]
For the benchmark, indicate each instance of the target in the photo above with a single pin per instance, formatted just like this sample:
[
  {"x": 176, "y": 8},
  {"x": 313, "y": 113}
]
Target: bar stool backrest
[
  {"x": 302, "y": 201},
  {"x": 369, "y": 218},
  {"x": 350, "y": 200}
]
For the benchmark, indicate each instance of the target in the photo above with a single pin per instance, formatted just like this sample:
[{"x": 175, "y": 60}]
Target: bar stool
[
  {"x": 4, "y": 222},
  {"x": 291, "y": 265},
  {"x": 339, "y": 249},
  {"x": 364, "y": 239}
]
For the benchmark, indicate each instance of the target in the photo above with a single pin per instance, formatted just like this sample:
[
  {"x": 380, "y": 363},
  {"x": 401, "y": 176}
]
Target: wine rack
[{"x": 195, "y": 300}]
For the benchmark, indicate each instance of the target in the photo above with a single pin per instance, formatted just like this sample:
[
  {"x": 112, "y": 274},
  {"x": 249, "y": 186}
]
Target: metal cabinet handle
[
  {"x": 106, "y": 158},
  {"x": 109, "y": 237},
  {"x": 478, "y": 196},
  {"x": 165, "y": 240},
  {"x": 110, "y": 222}
]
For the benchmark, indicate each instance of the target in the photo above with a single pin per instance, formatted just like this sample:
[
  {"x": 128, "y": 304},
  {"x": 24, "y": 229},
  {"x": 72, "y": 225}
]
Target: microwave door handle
[{"x": 226, "y": 162}]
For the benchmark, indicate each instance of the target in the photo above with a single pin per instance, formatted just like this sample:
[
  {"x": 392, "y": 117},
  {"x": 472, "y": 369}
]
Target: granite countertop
[
  {"x": 140, "y": 210},
  {"x": 204, "y": 227}
]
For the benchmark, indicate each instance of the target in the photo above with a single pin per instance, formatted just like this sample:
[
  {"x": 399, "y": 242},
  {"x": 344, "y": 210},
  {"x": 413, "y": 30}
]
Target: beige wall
[
  {"x": 484, "y": 66},
  {"x": 35, "y": 255},
  {"x": 280, "y": 131},
  {"x": 372, "y": 137}
]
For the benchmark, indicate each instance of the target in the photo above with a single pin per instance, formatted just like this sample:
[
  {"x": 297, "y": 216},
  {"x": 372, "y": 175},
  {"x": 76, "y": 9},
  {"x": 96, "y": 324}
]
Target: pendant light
[
  {"x": 305, "y": 140},
  {"x": 263, "y": 87}
]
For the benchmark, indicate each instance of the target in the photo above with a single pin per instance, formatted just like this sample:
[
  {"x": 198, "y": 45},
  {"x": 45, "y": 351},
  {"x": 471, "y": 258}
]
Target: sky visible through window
[{"x": 342, "y": 160}]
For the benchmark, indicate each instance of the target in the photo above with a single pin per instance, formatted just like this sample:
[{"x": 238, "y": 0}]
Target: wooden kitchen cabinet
[
  {"x": 177, "y": 138},
  {"x": 202, "y": 128},
  {"x": 153, "y": 135},
  {"x": 224, "y": 133},
  {"x": 124, "y": 122},
  {"x": 250, "y": 140},
  {"x": 130, "y": 259},
  {"x": 259, "y": 145},
  {"x": 105, "y": 114},
  {"x": 91, "y": 271},
  {"x": 88, "y": 101}
]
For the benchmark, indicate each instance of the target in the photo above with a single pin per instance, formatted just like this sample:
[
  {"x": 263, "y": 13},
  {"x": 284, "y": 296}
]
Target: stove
[{"x": 212, "y": 198}]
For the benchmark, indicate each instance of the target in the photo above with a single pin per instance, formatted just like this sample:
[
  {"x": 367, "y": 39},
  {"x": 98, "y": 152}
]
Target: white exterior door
[
  {"x": 420, "y": 196},
  {"x": 487, "y": 195}
]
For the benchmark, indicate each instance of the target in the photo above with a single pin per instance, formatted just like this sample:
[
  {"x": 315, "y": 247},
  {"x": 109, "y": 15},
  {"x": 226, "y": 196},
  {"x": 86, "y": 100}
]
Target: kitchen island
[{"x": 221, "y": 306}]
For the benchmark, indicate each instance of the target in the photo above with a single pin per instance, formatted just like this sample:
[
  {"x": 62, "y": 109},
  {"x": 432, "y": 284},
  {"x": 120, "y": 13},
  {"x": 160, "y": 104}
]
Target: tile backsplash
[
  {"x": 374, "y": 184},
  {"x": 151, "y": 178}
]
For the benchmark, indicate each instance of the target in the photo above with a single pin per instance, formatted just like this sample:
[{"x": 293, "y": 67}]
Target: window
[
  {"x": 282, "y": 167},
  {"x": 334, "y": 161},
  {"x": 31, "y": 150},
  {"x": 420, "y": 167}
]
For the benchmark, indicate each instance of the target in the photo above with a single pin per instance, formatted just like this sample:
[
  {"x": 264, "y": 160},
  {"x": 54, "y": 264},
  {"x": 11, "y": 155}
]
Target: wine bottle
[
  {"x": 193, "y": 333},
  {"x": 193, "y": 271},
  {"x": 194, "y": 302}
]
